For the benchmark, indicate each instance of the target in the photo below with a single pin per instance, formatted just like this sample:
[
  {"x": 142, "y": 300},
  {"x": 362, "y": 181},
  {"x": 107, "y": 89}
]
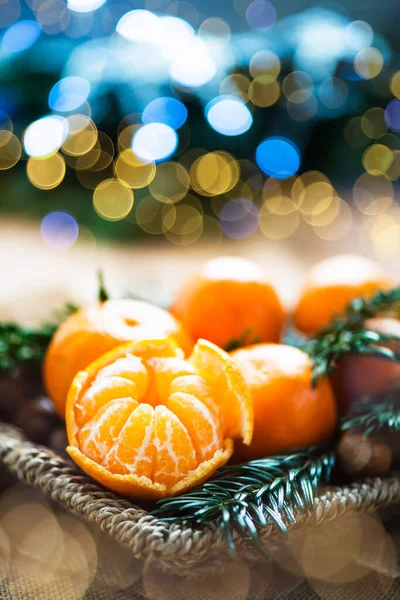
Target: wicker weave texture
[{"x": 176, "y": 547}]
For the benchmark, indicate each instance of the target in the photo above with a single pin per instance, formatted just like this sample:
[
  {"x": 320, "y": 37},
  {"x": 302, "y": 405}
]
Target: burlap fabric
[{"x": 140, "y": 556}]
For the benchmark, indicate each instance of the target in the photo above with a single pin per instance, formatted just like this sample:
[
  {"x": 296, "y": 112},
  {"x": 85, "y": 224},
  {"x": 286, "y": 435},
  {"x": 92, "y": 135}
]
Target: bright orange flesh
[
  {"x": 92, "y": 331},
  {"x": 332, "y": 284},
  {"x": 288, "y": 412},
  {"x": 229, "y": 298},
  {"x": 144, "y": 421}
]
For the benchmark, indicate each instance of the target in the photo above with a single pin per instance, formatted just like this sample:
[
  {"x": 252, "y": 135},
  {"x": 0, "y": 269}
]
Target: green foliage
[
  {"x": 371, "y": 418},
  {"x": 242, "y": 340},
  {"x": 244, "y": 498},
  {"x": 102, "y": 294}
]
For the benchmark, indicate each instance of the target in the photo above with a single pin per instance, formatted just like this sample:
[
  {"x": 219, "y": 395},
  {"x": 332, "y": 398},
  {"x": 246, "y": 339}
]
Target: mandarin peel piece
[{"x": 144, "y": 421}]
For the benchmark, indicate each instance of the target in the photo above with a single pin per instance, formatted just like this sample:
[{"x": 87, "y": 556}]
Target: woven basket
[{"x": 175, "y": 547}]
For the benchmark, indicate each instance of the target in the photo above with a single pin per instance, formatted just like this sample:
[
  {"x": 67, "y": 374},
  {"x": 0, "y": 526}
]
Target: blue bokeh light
[
  {"x": 21, "y": 36},
  {"x": 278, "y": 157},
  {"x": 59, "y": 230},
  {"x": 155, "y": 141},
  {"x": 392, "y": 115},
  {"x": 169, "y": 111},
  {"x": 69, "y": 93},
  {"x": 228, "y": 115}
]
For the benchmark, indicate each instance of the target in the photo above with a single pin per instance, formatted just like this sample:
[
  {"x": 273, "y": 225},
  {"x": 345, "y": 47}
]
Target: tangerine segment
[
  {"x": 144, "y": 421},
  {"x": 332, "y": 284},
  {"x": 92, "y": 331}
]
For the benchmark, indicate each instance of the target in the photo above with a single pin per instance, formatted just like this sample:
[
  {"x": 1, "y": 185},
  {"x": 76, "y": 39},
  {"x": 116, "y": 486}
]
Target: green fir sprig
[
  {"x": 346, "y": 333},
  {"x": 372, "y": 418},
  {"x": 245, "y": 498}
]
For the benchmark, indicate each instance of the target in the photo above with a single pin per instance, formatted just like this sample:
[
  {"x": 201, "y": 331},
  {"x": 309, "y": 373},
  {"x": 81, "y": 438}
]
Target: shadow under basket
[{"x": 175, "y": 547}]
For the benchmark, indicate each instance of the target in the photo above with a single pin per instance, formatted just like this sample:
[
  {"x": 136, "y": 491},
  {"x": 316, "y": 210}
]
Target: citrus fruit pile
[{"x": 155, "y": 401}]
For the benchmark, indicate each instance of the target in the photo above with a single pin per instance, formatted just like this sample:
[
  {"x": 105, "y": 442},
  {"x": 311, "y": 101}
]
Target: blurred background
[{"x": 143, "y": 136}]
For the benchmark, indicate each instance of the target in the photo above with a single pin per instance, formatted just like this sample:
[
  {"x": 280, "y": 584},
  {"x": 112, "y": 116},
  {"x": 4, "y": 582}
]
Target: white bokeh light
[
  {"x": 155, "y": 141},
  {"x": 228, "y": 115},
  {"x": 45, "y": 136},
  {"x": 84, "y": 6},
  {"x": 140, "y": 26},
  {"x": 193, "y": 67}
]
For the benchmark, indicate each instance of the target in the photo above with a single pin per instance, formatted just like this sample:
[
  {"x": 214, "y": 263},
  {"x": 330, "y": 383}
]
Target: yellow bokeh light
[
  {"x": 241, "y": 190},
  {"x": 339, "y": 227},
  {"x": 393, "y": 172},
  {"x": 113, "y": 199},
  {"x": 235, "y": 85},
  {"x": 323, "y": 214},
  {"x": 377, "y": 159},
  {"x": 297, "y": 87},
  {"x": 373, "y": 122},
  {"x": 278, "y": 226},
  {"x": 188, "y": 225},
  {"x": 265, "y": 63},
  {"x": 395, "y": 84},
  {"x": 155, "y": 217},
  {"x": 277, "y": 195},
  {"x": 10, "y": 149},
  {"x": 135, "y": 171},
  {"x": 373, "y": 194},
  {"x": 354, "y": 133},
  {"x": 368, "y": 63},
  {"x": 214, "y": 173},
  {"x": 125, "y": 136},
  {"x": 312, "y": 191},
  {"x": 46, "y": 173},
  {"x": 91, "y": 179},
  {"x": 82, "y": 135},
  {"x": 171, "y": 182},
  {"x": 264, "y": 92},
  {"x": 384, "y": 232}
]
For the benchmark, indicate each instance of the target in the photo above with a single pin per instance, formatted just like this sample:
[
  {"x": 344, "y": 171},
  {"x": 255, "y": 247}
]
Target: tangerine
[
  {"x": 230, "y": 302},
  {"x": 332, "y": 284},
  {"x": 94, "y": 330},
  {"x": 144, "y": 421},
  {"x": 288, "y": 411}
]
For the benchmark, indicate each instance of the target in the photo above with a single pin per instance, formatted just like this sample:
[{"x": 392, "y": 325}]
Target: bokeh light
[
  {"x": 194, "y": 66},
  {"x": 373, "y": 194},
  {"x": 84, "y": 6},
  {"x": 278, "y": 157},
  {"x": 333, "y": 92},
  {"x": 59, "y": 230},
  {"x": 45, "y": 136},
  {"x": 239, "y": 218},
  {"x": 155, "y": 141},
  {"x": 297, "y": 87},
  {"x": 265, "y": 62},
  {"x": 236, "y": 85},
  {"x": 395, "y": 84},
  {"x": 214, "y": 173},
  {"x": 170, "y": 183},
  {"x": 69, "y": 93},
  {"x": 215, "y": 29},
  {"x": 82, "y": 135},
  {"x": 228, "y": 115},
  {"x": 377, "y": 159},
  {"x": 264, "y": 92},
  {"x": 170, "y": 111},
  {"x": 261, "y": 14},
  {"x": 10, "y": 149},
  {"x": 155, "y": 217},
  {"x": 113, "y": 199},
  {"x": 46, "y": 173},
  {"x": 21, "y": 36},
  {"x": 373, "y": 122},
  {"x": 137, "y": 172},
  {"x": 278, "y": 226},
  {"x": 368, "y": 63},
  {"x": 9, "y": 12},
  {"x": 392, "y": 115},
  {"x": 358, "y": 35}
]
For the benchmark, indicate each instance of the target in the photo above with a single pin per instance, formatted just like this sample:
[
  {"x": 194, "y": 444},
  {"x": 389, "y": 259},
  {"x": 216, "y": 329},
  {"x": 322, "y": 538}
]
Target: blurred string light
[
  {"x": 68, "y": 94},
  {"x": 377, "y": 159},
  {"x": 113, "y": 199},
  {"x": 21, "y": 36},
  {"x": 137, "y": 172},
  {"x": 395, "y": 84},
  {"x": 261, "y": 14},
  {"x": 59, "y": 230},
  {"x": 228, "y": 115},
  {"x": 10, "y": 11},
  {"x": 45, "y": 136},
  {"x": 239, "y": 218},
  {"x": 214, "y": 173},
  {"x": 171, "y": 182},
  {"x": 155, "y": 141},
  {"x": 392, "y": 115},
  {"x": 368, "y": 63},
  {"x": 10, "y": 149},
  {"x": 278, "y": 157},
  {"x": 46, "y": 173},
  {"x": 170, "y": 111}
]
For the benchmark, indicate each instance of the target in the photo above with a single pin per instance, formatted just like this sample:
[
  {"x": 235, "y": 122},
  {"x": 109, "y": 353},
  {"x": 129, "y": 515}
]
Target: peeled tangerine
[
  {"x": 94, "y": 330},
  {"x": 288, "y": 412},
  {"x": 144, "y": 421}
]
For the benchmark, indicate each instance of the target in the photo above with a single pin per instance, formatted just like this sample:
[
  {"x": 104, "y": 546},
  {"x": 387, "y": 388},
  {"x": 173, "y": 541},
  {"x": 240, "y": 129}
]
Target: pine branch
[
  {"x": 346, "y": 333},
  {"x": 241, "y": 341},
  {"x": 371, "y": 418},
  {"x": 102, "y": 294},
  {"x": 244, "y": 498}
]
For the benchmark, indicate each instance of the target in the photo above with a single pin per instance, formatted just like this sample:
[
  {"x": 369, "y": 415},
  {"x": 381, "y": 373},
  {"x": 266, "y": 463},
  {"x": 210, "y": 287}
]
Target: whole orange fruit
[
  {"x": 332, "y": 284},
  {"x": 288, "y": 411},
  {"x": 144, "y": 421},
  {"x": 94, "y": 330},
  {"x": 359, "y": 377},
  {"x": 230, "y": 302}
]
